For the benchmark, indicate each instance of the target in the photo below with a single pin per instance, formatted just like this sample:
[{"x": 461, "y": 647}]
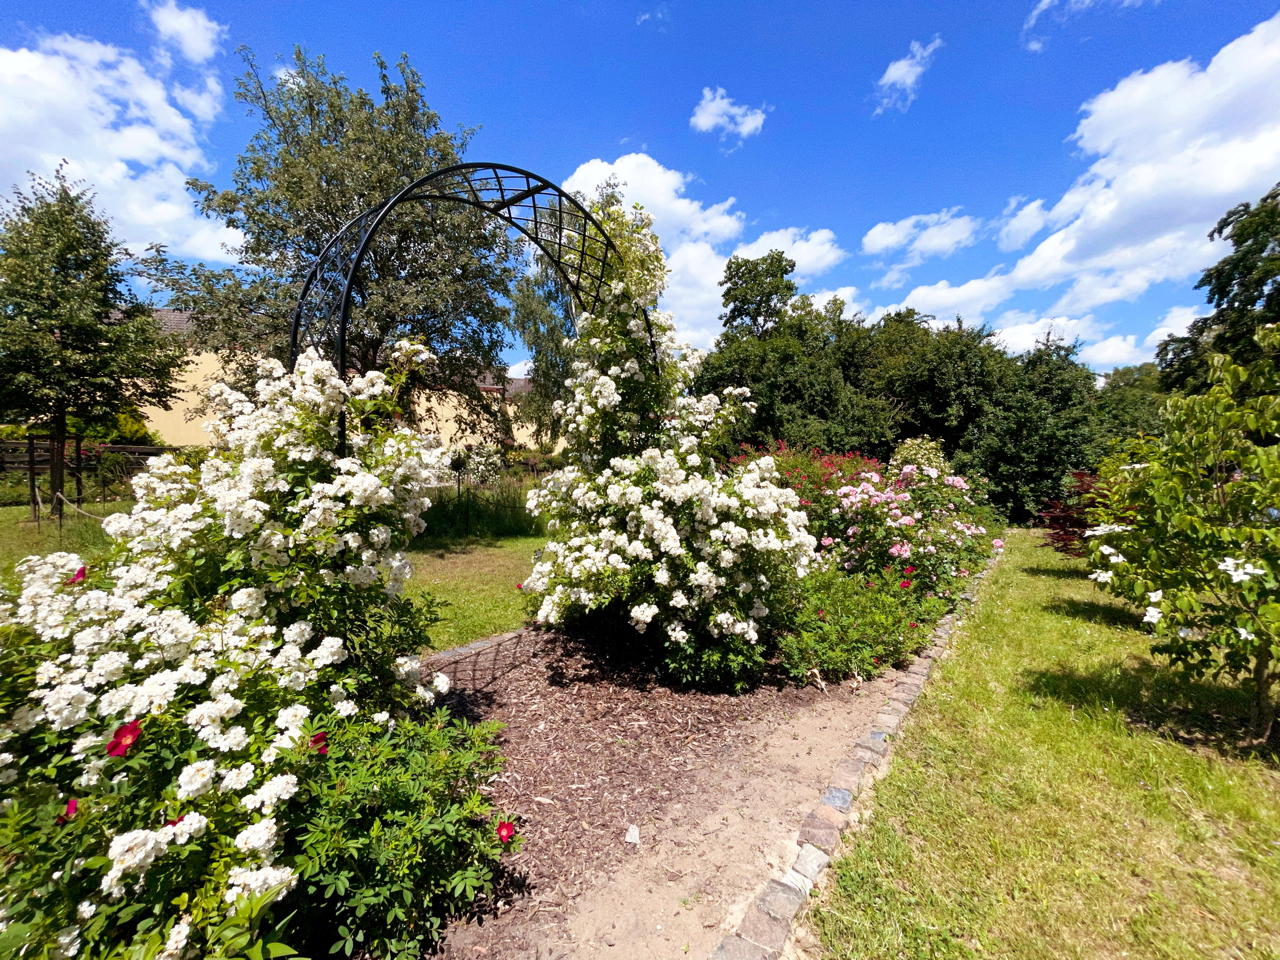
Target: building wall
[{"x": 176, "y": 428}]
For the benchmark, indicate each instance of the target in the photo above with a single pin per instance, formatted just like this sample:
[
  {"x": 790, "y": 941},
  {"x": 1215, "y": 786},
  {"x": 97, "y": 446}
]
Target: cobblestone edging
[{"x": 764, "y": 931}]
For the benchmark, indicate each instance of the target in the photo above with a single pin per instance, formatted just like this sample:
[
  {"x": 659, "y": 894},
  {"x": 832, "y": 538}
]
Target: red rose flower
[
  {"x": 174, "y": 823},
  {"x": 320, "y": 741},
  {"x": 909, "y": 571},
  {"x": 76, "y": 577},
  {"x": 506, "y": 830},
  {"x": 519, "y": 586},
  {"x": 125, "y": 737},
  {"x": 904, "y": 584},
  {"x": 69, "y": 814},
  {"x": 913, "y": 624}
]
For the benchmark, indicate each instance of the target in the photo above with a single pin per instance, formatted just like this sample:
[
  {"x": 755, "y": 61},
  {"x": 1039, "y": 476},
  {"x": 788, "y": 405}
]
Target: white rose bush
[
  {"x": 219, "y": 741},
  {"x": 649, "y": 538}
]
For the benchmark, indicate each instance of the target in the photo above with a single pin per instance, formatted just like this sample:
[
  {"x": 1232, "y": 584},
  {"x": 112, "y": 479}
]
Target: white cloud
[
  {"x": 522, "y": 369},
  {"x": 717, "y": 111},
  {"x": 1023, "y": 225},
  {"x": 676, "y": 218},
  {"x": 694, "y": 236},
  {"x": 852, "y": 304},
  {"x": 187, "y": 29},
  {"x": 1063, "y": 9},
  {"x": 1019, "y": 331},
  {"x": 923, "y": 235},
  {"x": 814, "y": 252},
  {"x": 121, "y": 128},
  {"x": 898, "y": 85},
  {"x": 1173, "y": 324},
  {"x": 1116, "y": 351},
  {"x": 1173, "y": 147}
]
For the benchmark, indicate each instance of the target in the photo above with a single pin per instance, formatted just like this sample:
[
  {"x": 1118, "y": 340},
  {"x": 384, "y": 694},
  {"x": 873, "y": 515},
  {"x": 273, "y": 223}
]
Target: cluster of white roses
[
  {"x": 642, "y": 520},
  {"x": 144, "y": 648}
]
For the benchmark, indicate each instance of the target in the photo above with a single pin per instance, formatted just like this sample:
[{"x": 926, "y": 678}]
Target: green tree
[
  {"x": 1244, "y": 290},
  {"x": 1130, "y": 402},
  {"x": 757, "y": 292},
  {"x": 541, "y": 313},
  {"x": 74, "y": 340},
  {"x": 1040, "y": 428},
  {"x": 323, "y": 153}
]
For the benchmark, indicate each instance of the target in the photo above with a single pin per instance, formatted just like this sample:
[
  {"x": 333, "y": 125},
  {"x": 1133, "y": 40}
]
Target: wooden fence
[{"x": 85, "y": 460}]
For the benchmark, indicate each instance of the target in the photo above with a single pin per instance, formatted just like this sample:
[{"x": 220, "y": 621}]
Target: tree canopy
[
  {"x": 1244, "y": 290},
  {"x": 74, "y": 339},
  {"x": 323, "y": 153}
]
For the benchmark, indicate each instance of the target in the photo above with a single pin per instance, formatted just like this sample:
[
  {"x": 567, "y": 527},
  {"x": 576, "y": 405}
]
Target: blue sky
[{"x": 1030, "y": 164}]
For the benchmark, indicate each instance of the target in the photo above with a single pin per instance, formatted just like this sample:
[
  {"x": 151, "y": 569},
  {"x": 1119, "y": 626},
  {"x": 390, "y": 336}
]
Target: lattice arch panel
[{"x": 561, "y": 228}]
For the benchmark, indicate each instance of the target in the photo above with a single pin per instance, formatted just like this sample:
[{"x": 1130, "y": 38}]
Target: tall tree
[
  {"x": 74, "y": 340},
  {"x": 1244, "y": 290},
  {"x": 323, "y": 153},
  {"x": 541, "y": 315},
  {"x": 757, "y": 291}
]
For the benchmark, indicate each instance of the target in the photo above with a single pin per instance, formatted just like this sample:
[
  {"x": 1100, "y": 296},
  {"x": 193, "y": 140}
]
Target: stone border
[{"x": 770, "y": 918}]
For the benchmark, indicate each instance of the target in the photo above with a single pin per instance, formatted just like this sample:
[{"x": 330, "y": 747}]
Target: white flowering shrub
[
  {"x": 1187, "y": 527},
  {"x": 221, "y": 734},
  {"x": 646, "y": 532}
]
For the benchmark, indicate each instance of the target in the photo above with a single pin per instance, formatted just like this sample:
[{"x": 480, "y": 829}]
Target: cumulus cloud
[
  {"x": 717, "y": 111},
  {"x": 124, "y": 127},
  {"x": 696, "y": 238},
  {"x": 1171, "y": 148},
  {"x": 1114, "y": 351},
  {"x": 899, "y": 84},
  {"x": 852, "y": 303},
  {"x": 814, "y": 252},
  {"x": 1173, "y": 324},
  {"x": 1019, "y": 331},
  {"x": 189, "y": 30},
  {"x": 920, "y": 237}
]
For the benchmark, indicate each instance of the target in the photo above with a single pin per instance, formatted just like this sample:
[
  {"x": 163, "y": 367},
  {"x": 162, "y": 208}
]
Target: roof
[{"x": 173, "y": 321}]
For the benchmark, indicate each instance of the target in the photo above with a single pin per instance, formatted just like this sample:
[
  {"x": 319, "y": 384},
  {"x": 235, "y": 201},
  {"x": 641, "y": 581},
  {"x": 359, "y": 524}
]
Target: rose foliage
[
  {"x": 1187, "y": 526},
  {"x": 220, "y": 739}
]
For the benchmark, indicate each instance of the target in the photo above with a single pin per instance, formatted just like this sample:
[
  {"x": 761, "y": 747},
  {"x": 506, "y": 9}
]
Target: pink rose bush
[{"x": 224, "y": 723}]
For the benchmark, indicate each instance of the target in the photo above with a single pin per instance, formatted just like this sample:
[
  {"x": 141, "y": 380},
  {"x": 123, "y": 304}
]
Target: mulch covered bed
[{"x": 591, "y": 748}]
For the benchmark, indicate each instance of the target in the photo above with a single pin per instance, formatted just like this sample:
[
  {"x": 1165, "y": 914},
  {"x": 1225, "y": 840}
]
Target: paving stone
[
  {"x": 779, "y": 900},
  {"x": 920, "y": 668},
  {"x": 837, "y": 797},
  {"x": 888, "y": 722},
  {"x": 810, "y": 861},
  {"x": 876, "y": 741},
  {"x": 735, "y": 948},
  {"x": 794, "y": 878},
  {"x": 868, "y": 756},
  {"x": 820, "y": 832},
  {"x": 765, "y": 930},
  {"x": 895, "y": 707},
  {"x": 904, "y": 694},
  {"x": 848, "y": 775}
]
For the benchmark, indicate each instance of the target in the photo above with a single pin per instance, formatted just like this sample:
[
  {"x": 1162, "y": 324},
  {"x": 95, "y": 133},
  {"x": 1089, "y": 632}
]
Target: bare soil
[{"x": 715, "y": 785}]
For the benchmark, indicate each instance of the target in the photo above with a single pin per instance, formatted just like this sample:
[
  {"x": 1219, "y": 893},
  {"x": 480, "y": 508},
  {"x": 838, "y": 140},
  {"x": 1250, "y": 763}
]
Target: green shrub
[
  {"x": 856, "y": 628},
  {"x": 1188, "y": 526}
]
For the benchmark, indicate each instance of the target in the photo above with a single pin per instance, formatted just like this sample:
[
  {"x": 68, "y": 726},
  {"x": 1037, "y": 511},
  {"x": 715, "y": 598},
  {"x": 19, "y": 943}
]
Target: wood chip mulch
[{"x": 591, "y": 747}]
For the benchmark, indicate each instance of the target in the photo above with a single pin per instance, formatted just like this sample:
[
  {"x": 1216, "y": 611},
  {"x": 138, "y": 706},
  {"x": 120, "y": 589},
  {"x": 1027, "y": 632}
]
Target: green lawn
[
  {"x": 476, "y": 578},
  {"x": 1061, "y": 794},
  {"x": 478, "y": 581},
  {"x": 19, "y": 537}
]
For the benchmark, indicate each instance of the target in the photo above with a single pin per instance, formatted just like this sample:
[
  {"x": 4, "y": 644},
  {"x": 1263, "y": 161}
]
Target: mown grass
[
  {"x": 1061, "y": 794},
  {"x": 476, "y": 577},
  {"x": 477, "y": 581},
  {"x": 20, "y": 537}
]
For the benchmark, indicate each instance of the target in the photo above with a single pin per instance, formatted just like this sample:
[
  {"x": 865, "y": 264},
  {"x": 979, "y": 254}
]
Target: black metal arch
[{"x": 560, "y": 227}]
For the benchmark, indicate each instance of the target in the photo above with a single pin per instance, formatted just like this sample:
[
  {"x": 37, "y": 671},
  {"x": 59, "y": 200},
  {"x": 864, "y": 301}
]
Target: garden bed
[{"x": 715, "y": 785}]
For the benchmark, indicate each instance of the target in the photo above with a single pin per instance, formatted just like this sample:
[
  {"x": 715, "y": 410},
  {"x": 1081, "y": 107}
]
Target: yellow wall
[{"x": 177, "y": 430}]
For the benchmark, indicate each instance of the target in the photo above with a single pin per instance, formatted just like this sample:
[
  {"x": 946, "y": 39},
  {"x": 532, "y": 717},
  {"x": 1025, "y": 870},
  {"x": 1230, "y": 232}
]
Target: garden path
[{"x": 717, "y": 787}]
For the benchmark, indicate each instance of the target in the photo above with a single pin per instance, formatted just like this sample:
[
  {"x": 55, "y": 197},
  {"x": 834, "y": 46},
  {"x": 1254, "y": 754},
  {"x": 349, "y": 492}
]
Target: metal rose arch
[{"x": 562, "y": 229}]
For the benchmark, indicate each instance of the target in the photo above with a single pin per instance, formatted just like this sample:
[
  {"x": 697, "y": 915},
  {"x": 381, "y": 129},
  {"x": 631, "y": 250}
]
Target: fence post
[
  {"x": 79, "y": 470},
  {"x": 31, "y": 476}
]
